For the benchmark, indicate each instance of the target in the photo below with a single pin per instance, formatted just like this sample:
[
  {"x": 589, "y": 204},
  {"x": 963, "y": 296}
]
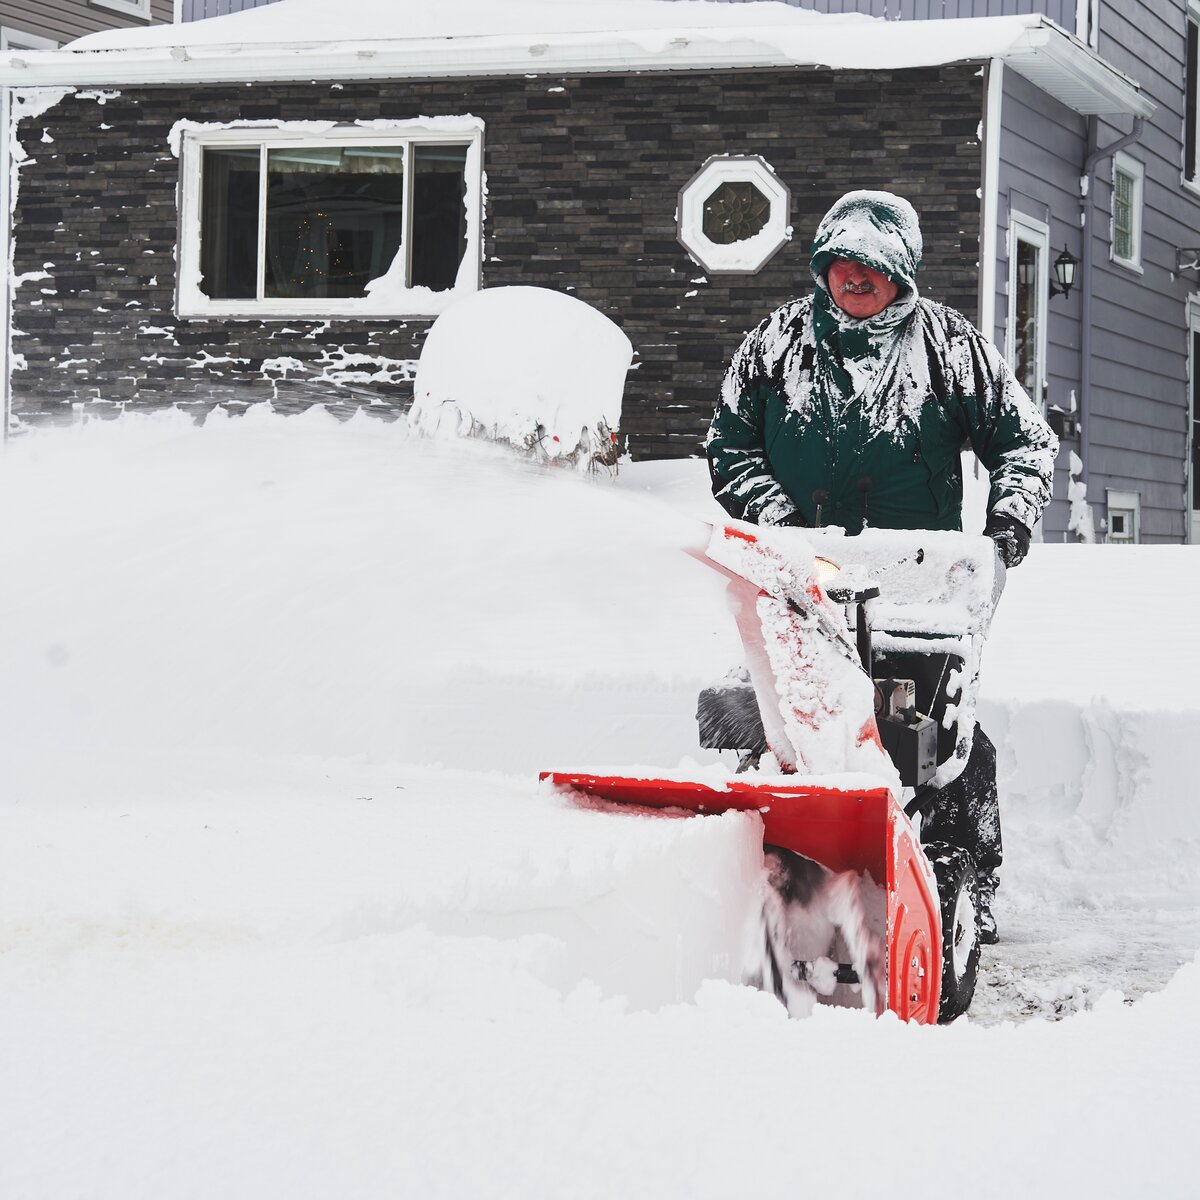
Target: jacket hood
[{"x": 877, "y": 229}]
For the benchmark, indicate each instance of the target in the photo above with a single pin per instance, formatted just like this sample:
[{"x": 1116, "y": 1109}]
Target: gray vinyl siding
[
  {"x": 1062, "y": 12},
  {"x": 1139, "y": 405},
  {"x": 64, "y": 20},
  {"x": 1041, "y": 155},
  {"x": 198, "y": 10}
]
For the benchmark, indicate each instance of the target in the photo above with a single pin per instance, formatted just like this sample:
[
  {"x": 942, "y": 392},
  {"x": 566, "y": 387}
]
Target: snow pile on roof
[
  {"x": 370, "y": 20},
  {"x": 396, "y": 39},
  {"x": 545, "y": 373}
]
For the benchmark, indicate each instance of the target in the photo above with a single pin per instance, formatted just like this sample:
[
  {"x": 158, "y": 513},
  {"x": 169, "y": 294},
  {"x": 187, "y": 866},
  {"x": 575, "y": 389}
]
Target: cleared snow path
[{"x": 283, "y": 911}]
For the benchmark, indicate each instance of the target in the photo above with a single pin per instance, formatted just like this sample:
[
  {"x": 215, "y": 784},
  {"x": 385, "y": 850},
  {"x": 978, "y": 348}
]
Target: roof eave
[
  {"x": 1064, "y": 68},
  {"x": 1044, "y": 54}
]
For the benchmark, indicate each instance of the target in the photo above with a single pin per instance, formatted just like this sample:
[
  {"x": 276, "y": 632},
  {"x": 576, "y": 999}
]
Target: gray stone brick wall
[{"x": 582, "y": 186}]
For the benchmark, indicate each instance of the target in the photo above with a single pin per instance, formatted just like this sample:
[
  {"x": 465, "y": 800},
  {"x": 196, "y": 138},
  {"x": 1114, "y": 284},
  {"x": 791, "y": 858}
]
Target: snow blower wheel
[{"x": 958, "y": 894}]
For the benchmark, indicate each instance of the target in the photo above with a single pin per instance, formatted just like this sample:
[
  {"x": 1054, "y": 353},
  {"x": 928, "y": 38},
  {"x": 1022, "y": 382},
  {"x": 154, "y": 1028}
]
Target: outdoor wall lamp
[{"x": 1064, "y": 271}]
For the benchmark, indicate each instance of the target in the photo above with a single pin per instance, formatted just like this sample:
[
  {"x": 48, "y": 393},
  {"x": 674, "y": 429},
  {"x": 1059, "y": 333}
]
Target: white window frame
[
  {"x": 1123, "y": 502},
  {"x": 1192, "y": 182},
  {"x": 1136, "y": 171},
  {"x": 734, "y": 258},
  {"x": 138, "y": 9},
  {"x": 17, "y": 39},
  {"x": 1087, "y": 22},
  {"x": 391, "y": 299},
  {"x": 1035, "y": 233}
]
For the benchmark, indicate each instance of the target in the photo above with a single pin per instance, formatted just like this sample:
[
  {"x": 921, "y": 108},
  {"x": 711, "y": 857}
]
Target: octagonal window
[
  {"x": 735, "y": 212},
  {"x": 733, "y": 215}
]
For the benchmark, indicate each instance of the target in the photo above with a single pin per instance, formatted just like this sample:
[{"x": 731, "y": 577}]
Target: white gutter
[
  {"x": 1056, "y": 62},
  {"x": 989, "y": 200},
  {"x": 1080, "y": 78}
]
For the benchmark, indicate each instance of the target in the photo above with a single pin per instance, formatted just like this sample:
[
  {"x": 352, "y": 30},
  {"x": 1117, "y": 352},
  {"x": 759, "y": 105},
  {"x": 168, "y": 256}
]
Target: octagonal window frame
[{"x": 746, "y": 257}]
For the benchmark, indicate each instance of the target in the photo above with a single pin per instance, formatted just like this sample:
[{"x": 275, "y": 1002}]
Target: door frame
[{"x": 1191, "y": 522}]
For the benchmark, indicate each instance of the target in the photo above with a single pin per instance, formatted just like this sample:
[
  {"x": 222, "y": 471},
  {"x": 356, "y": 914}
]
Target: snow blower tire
[{"x": 958, "y": 895}]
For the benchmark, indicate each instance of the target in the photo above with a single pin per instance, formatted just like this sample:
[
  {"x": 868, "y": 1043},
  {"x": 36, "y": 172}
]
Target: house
[
  {"x": 236, "y": 210},
  {"x": 1117, "y": 360}
]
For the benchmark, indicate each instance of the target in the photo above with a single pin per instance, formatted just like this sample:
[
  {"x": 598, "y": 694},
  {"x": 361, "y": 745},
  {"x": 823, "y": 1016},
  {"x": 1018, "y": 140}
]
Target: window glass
[
  {"x": 319, "y": 221},
  {"x": 735, "y": 212},
  {"x": 229, "y": 224},
  {"x": 1025, "y": 326},
  {"x": 439, "y": 232},
  {"x": 335, "y": 218},
  {"x": 1124, "y": 199}
]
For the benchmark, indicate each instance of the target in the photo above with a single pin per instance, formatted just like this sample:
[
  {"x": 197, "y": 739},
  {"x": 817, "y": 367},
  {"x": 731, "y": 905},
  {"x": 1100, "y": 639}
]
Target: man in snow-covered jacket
[
  {"x": 851, "y": 407},
  {"x": 864, "y": 394}
]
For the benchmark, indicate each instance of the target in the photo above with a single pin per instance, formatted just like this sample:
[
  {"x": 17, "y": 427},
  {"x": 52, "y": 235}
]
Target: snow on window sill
[{"x": 411, "y": 302}]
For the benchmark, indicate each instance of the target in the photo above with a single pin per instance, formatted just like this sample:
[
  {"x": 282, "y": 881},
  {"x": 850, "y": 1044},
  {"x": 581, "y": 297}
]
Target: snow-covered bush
[{"x": 531, "y": 367}]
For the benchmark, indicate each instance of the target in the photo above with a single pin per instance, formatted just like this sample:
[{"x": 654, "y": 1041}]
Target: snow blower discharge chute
[{"x": 856, "y": 704}]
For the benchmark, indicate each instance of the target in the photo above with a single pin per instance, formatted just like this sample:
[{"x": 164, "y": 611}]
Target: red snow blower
[{"x": 856, "y": 705}]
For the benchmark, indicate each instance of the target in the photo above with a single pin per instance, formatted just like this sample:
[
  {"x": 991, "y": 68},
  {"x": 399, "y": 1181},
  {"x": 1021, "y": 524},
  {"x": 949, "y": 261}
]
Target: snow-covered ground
[{"x": 284, "y": 912}]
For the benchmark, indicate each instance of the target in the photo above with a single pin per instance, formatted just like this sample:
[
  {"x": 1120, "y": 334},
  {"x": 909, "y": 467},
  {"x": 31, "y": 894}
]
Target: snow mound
[
  {"x": 545, "y": 372},
  {"x": 257, "y": 939}
]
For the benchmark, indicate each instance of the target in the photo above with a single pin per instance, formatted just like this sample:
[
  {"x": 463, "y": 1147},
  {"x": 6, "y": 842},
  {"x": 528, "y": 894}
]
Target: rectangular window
[
  {"x": 128, "y": 8},
  {"x": 1124, "y": 518},
  {"x": 1128, "y": 184},
  {"x": 340, "y": 224},
  {"x": 1190, "y": 124},
  {"x": 18, "y": 39}
]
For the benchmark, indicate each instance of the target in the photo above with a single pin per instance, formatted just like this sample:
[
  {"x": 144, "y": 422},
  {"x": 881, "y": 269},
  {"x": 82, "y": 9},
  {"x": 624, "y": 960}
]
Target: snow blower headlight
[{"x": 827, "y": 570}]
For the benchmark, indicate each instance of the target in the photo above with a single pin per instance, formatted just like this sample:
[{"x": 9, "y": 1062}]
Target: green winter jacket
[{"x": 875, "y": 412}]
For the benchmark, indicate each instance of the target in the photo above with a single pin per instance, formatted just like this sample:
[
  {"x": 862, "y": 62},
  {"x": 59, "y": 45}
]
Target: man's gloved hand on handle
[{"x": 1010, "y": 536}]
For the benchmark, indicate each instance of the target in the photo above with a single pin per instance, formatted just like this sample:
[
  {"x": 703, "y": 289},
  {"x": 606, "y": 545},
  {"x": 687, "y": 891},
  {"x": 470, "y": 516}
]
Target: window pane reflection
[
  {"x": 229, "y": 224},
  {"x": 439, "y": 232},
  {"x": 1025, "y": 340},
  {"x": 335, "y": 218}
]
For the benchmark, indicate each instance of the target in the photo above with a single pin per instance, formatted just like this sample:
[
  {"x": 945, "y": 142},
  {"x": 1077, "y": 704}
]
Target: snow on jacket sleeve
[
  {"x": 742, "y": 480},
  {"x": 1005, "y": 427}
]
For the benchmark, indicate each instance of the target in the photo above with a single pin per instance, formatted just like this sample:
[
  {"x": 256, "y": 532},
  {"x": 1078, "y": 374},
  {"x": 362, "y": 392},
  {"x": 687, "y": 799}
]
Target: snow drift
[{"x": 283, "y": 912}]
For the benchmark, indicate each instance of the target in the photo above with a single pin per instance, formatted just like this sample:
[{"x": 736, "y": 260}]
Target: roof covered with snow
[{"x": 382, "y": 39}]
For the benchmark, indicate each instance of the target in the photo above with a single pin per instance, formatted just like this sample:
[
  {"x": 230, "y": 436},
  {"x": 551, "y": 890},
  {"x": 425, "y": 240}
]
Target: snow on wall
[
  {"x": 344, "y": 368},
  {"x": 28, "y": 104}
]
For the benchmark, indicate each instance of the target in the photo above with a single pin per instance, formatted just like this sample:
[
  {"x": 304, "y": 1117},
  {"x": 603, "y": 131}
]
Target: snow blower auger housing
[{"x": 857, "y": 703}]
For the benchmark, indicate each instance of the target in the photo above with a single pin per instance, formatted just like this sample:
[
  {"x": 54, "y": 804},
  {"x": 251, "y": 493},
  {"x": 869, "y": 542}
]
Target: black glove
[
  {"x": 1010, "y": 536},
  {"x": 794, "y": 519}
]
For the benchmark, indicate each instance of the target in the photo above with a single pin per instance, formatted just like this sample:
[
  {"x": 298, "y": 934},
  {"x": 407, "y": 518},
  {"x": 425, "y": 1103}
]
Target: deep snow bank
[
  {"x": 255, "y": 941},
  {"x": 267, "y": 587}
]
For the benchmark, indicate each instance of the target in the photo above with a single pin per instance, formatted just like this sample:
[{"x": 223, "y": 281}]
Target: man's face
[{"x": 858, "y": 290}]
